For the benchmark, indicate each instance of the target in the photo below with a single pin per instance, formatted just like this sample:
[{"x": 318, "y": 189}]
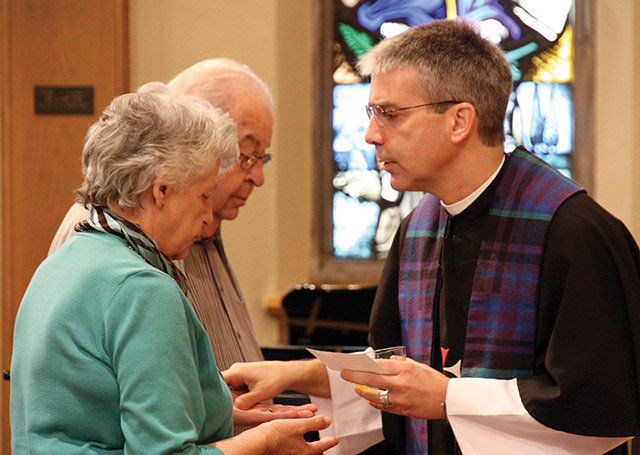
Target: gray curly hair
[{"x": 150, "y": 135}]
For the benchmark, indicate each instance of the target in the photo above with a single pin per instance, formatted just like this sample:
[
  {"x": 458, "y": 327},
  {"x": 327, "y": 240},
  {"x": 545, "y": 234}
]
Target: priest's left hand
[
  {"x": 413, "y": 389},
  {"x": 262, "y": 412}
]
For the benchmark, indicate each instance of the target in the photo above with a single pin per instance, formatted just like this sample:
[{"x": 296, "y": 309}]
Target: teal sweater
[{"x": 109, "y": 357}]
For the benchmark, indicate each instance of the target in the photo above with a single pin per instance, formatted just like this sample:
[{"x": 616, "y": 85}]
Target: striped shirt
[{"x": 215, "y": 295}]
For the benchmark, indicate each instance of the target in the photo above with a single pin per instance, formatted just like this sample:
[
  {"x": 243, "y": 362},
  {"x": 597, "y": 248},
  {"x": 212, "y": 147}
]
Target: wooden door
[{"x": 61, "y": 63}]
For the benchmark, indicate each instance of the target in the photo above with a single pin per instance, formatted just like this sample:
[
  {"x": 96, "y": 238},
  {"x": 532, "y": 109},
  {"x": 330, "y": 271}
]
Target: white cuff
[{"x": 488, "y": 418}]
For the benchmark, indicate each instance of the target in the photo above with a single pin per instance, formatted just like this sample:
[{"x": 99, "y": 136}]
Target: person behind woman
[{"x": 108, "y": 355}]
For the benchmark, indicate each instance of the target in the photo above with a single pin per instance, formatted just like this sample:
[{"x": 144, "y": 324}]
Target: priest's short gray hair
[{"x": 452, "y": 62}]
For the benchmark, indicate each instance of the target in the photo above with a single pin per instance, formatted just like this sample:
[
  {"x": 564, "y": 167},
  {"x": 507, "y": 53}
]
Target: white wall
[{"x": 617, "y": 149}]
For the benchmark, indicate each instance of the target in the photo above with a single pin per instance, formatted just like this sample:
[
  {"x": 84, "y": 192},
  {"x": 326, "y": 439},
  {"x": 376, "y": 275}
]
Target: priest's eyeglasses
[
  {"x": 247, "y": 161},
  {"x": 383, "y": 114}
]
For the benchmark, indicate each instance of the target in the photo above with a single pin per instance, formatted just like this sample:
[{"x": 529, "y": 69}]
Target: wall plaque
[{"x": 63, "y": 100}]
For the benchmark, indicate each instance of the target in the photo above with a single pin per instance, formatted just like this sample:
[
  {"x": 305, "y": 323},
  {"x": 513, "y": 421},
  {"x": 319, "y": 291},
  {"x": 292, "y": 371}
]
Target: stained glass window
[{"x": 537, "y": 38}]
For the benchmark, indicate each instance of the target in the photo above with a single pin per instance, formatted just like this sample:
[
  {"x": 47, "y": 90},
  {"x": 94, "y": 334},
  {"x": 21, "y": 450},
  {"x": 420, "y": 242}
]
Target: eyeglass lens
[{"x": 247, "y": 161}]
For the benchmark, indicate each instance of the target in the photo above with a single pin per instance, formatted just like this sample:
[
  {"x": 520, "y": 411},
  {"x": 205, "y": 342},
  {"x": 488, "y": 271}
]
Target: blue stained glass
[
  {"x": 537, "y": 39},
  {"x": 351, "y": 151},
  {"x": 372, "y": 15},
  {"x": 546, "y": 116},
  {"x": 354, "y": 226}
]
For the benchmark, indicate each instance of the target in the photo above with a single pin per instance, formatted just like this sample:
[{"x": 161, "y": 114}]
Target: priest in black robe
[
  {"x": 507, "y": 275},
  {"x": 516, "y": 295}
]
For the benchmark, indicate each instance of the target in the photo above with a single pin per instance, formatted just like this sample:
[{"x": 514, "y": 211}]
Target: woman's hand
[
  {"x": 261, "y": 413},
  {"x": 286, "y": 437},
  {"x": 280, "y": 437},
  {"x": 254, "y": 382},
  {"x": 413, "y": 389}
]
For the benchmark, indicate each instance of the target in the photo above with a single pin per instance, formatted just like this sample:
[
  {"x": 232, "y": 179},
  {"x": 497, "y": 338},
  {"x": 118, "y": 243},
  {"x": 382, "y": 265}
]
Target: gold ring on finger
[{"x": 384, "y": 398}]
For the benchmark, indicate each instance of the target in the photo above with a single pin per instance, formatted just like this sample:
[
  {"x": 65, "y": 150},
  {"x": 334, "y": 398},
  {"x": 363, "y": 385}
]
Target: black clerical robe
[{"x": 587, "y": 348}]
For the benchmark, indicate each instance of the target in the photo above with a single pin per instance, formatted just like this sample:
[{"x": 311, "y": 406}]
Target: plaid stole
[
  {"x": 102, "y": 219},
  {"x": 501, "y": 323}
]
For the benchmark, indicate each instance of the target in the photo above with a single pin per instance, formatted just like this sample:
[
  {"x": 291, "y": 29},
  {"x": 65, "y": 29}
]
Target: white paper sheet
[{"x": 353, "y": 361}]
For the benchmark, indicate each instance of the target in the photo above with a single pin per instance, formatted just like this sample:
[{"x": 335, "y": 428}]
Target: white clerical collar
[{"x": 460, "y": 206}]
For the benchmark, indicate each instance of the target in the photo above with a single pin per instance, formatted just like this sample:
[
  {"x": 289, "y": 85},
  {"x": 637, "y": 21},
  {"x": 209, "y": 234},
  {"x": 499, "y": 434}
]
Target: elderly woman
[{"x": 108, "y": 355}]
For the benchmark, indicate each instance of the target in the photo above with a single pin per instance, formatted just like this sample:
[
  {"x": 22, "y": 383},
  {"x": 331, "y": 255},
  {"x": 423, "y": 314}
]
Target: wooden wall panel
[{"x": 47, "y": 43}]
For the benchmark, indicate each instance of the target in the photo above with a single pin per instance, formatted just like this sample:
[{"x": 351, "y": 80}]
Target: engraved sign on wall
[{"x": 63, "y": 100}]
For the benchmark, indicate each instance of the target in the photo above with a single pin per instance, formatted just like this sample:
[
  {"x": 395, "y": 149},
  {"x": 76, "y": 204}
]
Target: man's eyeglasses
[
  {"x": 384, "y": 114},
  {"x": 247, "y": 161}
]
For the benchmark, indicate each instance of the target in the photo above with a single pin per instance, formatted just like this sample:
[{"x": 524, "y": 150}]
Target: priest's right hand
[{"x": 412, "y": 389}]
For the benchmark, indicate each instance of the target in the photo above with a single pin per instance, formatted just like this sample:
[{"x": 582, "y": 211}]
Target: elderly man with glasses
[{"x": 213, "y": 290}]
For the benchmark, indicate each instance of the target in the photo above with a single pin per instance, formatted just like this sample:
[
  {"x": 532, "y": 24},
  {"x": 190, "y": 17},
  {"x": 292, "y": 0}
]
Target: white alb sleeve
[{"x": 489, "y": 418}]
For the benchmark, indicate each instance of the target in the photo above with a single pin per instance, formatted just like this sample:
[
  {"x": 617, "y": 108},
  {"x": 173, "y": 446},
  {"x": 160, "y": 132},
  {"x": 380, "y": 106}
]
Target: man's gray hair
[
  {"x": 150, "y": 136},
  {"x": 220, "y": 80},
  {"x": 452, "y": 62}
]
